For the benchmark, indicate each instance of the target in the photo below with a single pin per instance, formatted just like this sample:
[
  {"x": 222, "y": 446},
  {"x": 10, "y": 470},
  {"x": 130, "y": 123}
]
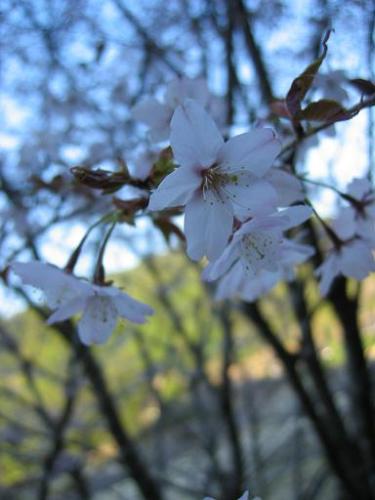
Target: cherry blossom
[
  {"x": 215, "y": 179},
  {"x": 158, "y": 115},
  {"x": 258, "y": 243},
  {"x": 352, "y": 255},
  {"x": 352, "y": 259},
  {"x": 68, "y": 295},
  {"x": 360, "y": 215},
  {"x": 237, "y": 283}
]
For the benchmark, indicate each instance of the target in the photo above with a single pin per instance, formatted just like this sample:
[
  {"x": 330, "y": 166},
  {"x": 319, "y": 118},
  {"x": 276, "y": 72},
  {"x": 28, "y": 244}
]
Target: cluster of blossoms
[
  {"x": 236, "y": 203},
  {"x": 238, "y": 207},
  {"x": 352, "y": 253}
]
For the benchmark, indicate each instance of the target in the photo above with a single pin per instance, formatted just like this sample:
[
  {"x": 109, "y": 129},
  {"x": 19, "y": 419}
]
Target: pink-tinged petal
[
  {"x": 208, "y": 225},
  {"x": 195, "y": 139},
  {"x": 356, "y": 260},
  {"x": 131, "y": 309},
  {"x": 253, "y": 152},
  {"x": 296, "y": 215},
  {"x": 98, "y": 320},
  {"x": 152, "y": 113},
  {"x": 251, "y": 197},
  {"x": 176, "y": 189},
  {"x": 67, "y": 310},
  {"x": 220, "y": 266},
  {"x": 288, "y": 187}
]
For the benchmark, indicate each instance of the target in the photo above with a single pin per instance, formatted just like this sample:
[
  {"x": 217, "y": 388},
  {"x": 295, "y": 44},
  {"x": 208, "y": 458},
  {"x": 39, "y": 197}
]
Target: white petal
[
  {"x": 259, "y": 285},
  {"x": 217, "y": 109},
  {"x": 273, "y": 222},
  {"x": 58, "y": 286},
  {"x": 180, "y": 89},
  {"x": 98, "y": 320},
  {"x": 344, "y": 225},
  {"x": 357, "y": 260},
  {"x": 328, "y": 272},
  {"x": 151, "y": 112},
  {"x": 230, "y": 284},
  {"x": 245, "y": 496},
  {"x": 220, "y": 266},
  {"x": 288, "y": 187},
  {"x": 67, "y": 310},
  {"x": 260, "y": 250},
  {"x": 295, "y": 253},
  {"x": 208, "y": 225},
  {"x": 370, "y": 209},
  {"x": 251, "y": 196},
  {"x": 131, "y": 309},
  {"x": 38, "y": 274},
  {"x": 176, "y": 189},
  {"x": 254, "y": 152},
  {"x": 359, "y": 188},
  {"x": 365, "y": 228},
  {"x": 296, "y": 215},
  {"x": 195, "y": 139}
]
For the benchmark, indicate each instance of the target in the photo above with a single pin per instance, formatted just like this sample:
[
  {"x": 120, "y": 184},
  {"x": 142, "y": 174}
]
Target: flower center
[{"x": 213, "y": 179}]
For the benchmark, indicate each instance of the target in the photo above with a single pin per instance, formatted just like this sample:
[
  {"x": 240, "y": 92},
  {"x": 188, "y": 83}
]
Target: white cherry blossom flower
[
  {"x": 352, "y": 256},
  {"x": 362, "y": 209},
  {"x": 237, "y": 283},
  {"x": 215, "y": 179},
  {"x": 258, "y": 244},
  {"x": 358, "y": 218},
  {"x": 158, "y": 115},
  {"x": 352, "y": 259},
  {"x": 68, "y": 295}
]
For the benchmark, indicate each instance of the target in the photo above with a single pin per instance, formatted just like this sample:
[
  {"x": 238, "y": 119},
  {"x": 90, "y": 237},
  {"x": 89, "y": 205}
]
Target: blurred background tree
[{"x": 273, "y": 395}]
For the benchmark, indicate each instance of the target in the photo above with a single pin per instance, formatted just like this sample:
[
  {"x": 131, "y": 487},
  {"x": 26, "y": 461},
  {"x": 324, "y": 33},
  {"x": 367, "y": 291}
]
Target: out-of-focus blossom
[
  {"x": 69, "y": 295},
  {"x": 352, "y": 259},
  {"x": 158, "y": 115}
]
